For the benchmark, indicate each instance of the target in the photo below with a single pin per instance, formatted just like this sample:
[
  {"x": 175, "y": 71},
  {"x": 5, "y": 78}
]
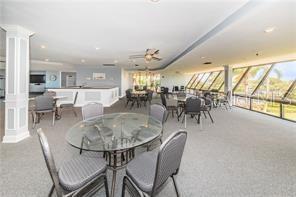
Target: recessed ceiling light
[
  {"x": 42, "y": 46},
  {"x": 46, "y": 60},
  {"x": 97, "y": 48},
  {"x": 269, "y": 29},
  {"x": 115, "y": 61},
  {"x": 203, "y": 57},
  {"x": 82, "y": 60}
]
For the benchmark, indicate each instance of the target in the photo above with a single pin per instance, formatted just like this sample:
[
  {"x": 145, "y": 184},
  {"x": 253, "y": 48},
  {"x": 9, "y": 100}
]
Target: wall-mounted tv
[{"x": 37, "y": 78}]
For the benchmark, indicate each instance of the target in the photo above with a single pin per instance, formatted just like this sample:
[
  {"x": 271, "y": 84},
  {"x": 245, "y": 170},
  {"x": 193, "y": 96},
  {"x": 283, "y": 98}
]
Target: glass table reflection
[{"x": 117, "y": 135}]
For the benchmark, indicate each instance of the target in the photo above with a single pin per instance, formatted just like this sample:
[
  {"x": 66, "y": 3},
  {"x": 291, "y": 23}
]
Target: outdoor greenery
[{"x": 267, "y": 85}]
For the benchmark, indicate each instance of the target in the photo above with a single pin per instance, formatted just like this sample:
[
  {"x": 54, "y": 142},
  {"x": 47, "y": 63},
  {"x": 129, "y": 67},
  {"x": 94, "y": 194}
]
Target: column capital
[{"x": 17, "y": 31}]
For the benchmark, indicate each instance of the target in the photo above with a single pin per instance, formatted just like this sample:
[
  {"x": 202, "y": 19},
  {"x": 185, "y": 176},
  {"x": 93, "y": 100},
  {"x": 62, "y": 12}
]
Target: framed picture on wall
[{"x": 99, "y": 76}]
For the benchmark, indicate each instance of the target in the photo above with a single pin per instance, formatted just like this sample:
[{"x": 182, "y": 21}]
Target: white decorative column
[
  {"x": 228, "y": 81},
  {"x": 17, "y": 83}
]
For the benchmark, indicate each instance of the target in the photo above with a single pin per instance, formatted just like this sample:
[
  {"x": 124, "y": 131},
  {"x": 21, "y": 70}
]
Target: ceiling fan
[{"x": 151, "y": 54}]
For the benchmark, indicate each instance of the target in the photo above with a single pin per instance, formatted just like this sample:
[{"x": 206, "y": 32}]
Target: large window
[
  {"x": 251, "y": 80},
  {"x": 202, "y": 81},
  {"x": 269, "y": 88},
  {"x": 151, "y": 80},
  {"x": 218, "y": 82},
  {"x": 237, "y": 75},
  {"x": 278, "y": 81},
  {"x": 197, "y": 80},
  {"x": 210, "y": 80},
  {"x": 191, "y": 81}
]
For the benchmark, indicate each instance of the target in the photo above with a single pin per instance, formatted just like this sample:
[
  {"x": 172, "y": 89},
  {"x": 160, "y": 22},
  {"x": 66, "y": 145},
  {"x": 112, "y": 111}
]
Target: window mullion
[
  {"x": 215, "y": 80},
  {"x": 263, "y": 79},
  {"x": 199, "y": 81},
  {"x": 190, "y": 80},
  {"x": 241, "y": 79},
  {"x": 289, "y": 89},
  {"x": 193, "y": 81},
  {"x": 206, "y": 80}
]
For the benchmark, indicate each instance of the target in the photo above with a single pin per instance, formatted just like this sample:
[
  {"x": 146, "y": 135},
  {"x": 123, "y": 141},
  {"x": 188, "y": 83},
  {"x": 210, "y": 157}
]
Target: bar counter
[{"x": 105, "y": 95}]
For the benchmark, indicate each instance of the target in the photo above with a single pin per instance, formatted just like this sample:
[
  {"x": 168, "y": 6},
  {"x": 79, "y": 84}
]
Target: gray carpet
[{"x": 243, "y": 154}]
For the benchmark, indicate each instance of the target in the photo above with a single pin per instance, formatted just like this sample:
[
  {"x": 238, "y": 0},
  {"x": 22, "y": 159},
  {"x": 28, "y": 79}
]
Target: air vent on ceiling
[
  {"x": 108, "y": 64},
  {"x": 207, "y": 63}
]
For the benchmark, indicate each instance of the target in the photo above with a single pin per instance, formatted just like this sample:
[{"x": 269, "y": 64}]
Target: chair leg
[
  {"x": 51, "y": 191},
  {"x": 123, "y": 187},
  {"x": 106, "y": 186},
  {"x": 34, "y": 120},
  {"x": 53, "y": 118},
  {"x": 81, "y": 146},
  {"x": 185, "y": 120},
  {"x": 204, "y": 114},
  {"x": 175, "y": 185},
  {"x": 210, "y": 117},
  {"x": 75, "y": 114},
  {"x": 167, "y": 116}
]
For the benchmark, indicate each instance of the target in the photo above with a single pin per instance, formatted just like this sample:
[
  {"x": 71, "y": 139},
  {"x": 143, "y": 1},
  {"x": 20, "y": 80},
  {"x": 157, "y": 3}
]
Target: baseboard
[{"x": 15, "y": 138}]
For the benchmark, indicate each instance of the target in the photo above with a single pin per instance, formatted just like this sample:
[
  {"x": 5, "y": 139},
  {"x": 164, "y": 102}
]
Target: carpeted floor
[{"x": 243, "y": 154}]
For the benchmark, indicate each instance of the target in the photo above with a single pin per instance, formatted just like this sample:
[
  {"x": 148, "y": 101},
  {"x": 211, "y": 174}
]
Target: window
[
  {"x": 241, "y": 101},
  {"x": 267, "y": 107},
  {"x": 289, "y": 110},
  {"x": 272, "y": 86},
  {"x": 202, "y": 81},
  {"x": 210, "y": 80},
  {"x": 237, "y": 75},
  {"x": 191, "y": 81},
  {"x": 218, "y": 82},
  {"x": 278, "y": 81},
  {"x": 251, "y": 80},
  {"x": 151, "y": 80},
  {"x": 197, "y": 80}
]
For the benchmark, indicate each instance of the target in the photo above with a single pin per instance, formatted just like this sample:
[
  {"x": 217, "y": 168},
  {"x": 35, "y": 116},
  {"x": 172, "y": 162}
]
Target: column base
[{"x": 15, "y": 138}]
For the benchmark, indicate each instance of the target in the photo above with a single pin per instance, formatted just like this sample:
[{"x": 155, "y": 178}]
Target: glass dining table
[{"x": 116, "y": 135}]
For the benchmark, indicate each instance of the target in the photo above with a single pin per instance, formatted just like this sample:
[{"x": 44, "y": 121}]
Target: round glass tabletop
[{"x": 114, "y": 132}]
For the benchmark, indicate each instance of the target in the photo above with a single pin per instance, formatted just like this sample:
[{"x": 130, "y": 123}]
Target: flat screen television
[{"x": 37, "y": 78}]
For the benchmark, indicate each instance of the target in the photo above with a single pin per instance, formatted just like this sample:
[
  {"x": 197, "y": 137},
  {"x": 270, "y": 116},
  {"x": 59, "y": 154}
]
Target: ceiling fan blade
[
  {"x": 136, "y": 56},
  {"x": 156, "y": 52},
  {"x": 150, "y": 51},
  {"x": 156, "y": 58}
]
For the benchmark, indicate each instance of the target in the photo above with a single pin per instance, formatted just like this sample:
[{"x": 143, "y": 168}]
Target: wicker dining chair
[
  {"x": 147, "y": 173},
  {"x": 83, "y": 175}
]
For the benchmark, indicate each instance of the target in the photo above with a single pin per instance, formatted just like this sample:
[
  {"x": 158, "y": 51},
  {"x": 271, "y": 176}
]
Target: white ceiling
[
  {"x": 71, "y": 30},
  {"x": 239, "y": 42}
]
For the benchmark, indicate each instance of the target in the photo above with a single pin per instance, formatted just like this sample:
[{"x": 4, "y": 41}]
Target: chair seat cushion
[
  {"x": 142, "y": 170},
  {"x": 67, "y": 105},
  {"x": 80, "y": 170}
]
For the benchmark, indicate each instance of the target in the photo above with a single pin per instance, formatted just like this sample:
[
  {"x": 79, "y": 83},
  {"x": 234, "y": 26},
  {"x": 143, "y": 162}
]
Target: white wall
[{"x": 170, "y": 79}]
